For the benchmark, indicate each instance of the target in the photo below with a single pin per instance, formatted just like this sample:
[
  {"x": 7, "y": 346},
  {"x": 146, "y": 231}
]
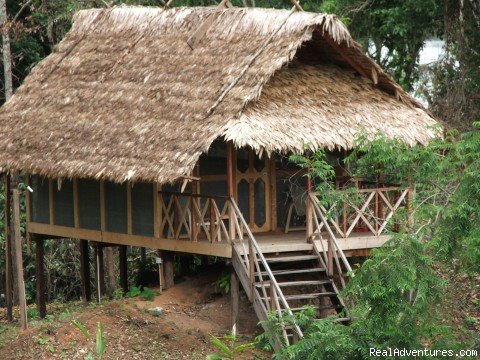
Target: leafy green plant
[
  {"x": 470, "y": 321},
  {"x": 228, "y": 346},
  {"x": 41, "y": 341},
  {"x": 65, "y": 314},
  {"x": 32, "y": 313},
  {"x": 145, "y": 293},
  {"x": 118, "y": 294},
  {"x": 393, "y": 293},
  {"x": 82, "y": 329},
  {"x": 100, "y": 343},
  {"x": 223, "y": 282},
  {"x": 133, "y": 292}
]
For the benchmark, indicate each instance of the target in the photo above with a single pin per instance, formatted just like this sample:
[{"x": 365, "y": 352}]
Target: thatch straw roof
[
  {"x": 124, "y": 97},
  {"x": 331, "y": 106}
]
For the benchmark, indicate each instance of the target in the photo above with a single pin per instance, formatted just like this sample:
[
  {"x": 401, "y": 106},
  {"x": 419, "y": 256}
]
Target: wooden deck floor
[{"x": 357, "y": 244}]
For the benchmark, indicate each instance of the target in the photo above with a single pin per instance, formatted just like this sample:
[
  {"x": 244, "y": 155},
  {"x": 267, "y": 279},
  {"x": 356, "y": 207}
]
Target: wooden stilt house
[{"x": 171, "y": 129}]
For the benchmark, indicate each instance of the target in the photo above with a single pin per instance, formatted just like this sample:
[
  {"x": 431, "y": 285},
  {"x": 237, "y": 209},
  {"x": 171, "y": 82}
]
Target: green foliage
[
  {"x": 320, "y": 172},
  {"x": 470, "y": 321},
  {"x": 392, "y": 31},
  {"x": 384, "y": 314},
  {"x": 32, "y": 313},
  {"x": 118, "y": 294},
  {"x": 228, "y": 346},
  {"x": 82, "y": 329},
  {"x": 41, "y": 341},
  {"x": 145, "y": 293},
  {"x": 100, "y": 342},
  {"x": 392, "y": 294},
  {"x": 446, "y": 174},
  {"x": 65, "y": 314},
  {"x": 223, "y": 282},
  {"x": 133, "y": 292}
]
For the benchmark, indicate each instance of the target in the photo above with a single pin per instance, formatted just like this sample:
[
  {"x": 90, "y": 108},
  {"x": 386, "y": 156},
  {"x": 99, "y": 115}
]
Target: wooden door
[{"x": 253, "y": 189}]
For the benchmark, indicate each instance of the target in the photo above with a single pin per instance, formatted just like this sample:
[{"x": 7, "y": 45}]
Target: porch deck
[{"x": 357, "y": 244}]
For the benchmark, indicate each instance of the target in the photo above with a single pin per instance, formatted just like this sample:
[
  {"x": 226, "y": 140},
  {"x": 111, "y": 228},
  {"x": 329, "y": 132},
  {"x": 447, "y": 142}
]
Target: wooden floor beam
[
  {"x": 40, "y": 276},
  {"x": 219, "y": 249},
  {"x": 85, "y": 271}
]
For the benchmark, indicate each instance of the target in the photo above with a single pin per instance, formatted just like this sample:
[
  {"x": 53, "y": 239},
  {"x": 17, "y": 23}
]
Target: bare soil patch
[{"x": 193, "y": 310}]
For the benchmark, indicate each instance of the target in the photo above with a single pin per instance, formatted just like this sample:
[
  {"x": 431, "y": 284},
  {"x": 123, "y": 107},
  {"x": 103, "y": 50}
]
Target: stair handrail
[
  {"x": 318, "y": 212},
  {"x": 273, "y": 281}
]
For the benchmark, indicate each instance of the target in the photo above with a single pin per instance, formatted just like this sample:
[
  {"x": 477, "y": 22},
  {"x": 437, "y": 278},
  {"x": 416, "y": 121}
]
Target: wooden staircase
[{"x": 284, "y": 282}]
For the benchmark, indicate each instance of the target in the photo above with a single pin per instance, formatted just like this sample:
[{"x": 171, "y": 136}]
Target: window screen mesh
[
  {"x": 63, "y": 203},
  {"x": 142, "y": 209},
  {"x": 116, "y": 207},
  {"x": 89, "y": 204},
  {"x": 39, "y": 200}
]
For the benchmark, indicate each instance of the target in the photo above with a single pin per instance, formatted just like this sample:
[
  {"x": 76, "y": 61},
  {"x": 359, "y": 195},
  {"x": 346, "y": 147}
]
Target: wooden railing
[
  {"x": 265, "y": 293},
  {"x": 331, "y": 255},
  {"x": 195, "y": 217},
  {"x": 370, "y": 212},
  {"x": 216, "y": 218}
]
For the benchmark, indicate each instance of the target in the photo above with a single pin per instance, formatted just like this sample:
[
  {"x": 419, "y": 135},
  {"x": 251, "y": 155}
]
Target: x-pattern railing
[
  {"x": 194, "y": 217},
  {"x": 217, "y": 218},
  {"x": 330, "y": 254},
  {"x": 373, "y": 213}
]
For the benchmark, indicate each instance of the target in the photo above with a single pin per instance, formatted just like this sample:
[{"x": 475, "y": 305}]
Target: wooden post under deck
[
  {"x": 234, "y": 292},
  {"x": 168, "y": 270},
  {"x": 122, "y": 257},
  {"x": 309, "y": 210},
  {"x": 40, "y": 277},
  {"x": 85, "y": 271},
  {"x": 99, "y": 272},
  {"x": 330, "y": 250},
  {"x": 230, "y": 185}
]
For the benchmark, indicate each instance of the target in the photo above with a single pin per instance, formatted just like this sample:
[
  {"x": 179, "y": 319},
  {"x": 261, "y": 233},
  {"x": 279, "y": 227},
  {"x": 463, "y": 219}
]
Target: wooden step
[
  {"x": 293, "y": 271},
  {"x": 296, "y": 283},
  {"x": 309, "y": 296},
  {"x": 272, "y": 247},
  {"x": 320, "y": 308},
  {"x": 304, "y": 296},
  {"x": 292, "y": 258}
]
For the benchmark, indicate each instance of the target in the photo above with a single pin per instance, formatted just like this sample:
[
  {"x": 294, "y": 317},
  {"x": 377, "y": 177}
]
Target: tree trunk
[
  {"x": 17, "y": 249},
  {"x": 8, "y": 89},
  {"x": 7, "y": 56},
  {"x": 8, "y": 252}
]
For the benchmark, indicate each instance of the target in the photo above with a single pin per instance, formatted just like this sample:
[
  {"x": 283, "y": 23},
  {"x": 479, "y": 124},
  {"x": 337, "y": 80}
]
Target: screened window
[
  {"x": 142, "y": 209},
  {"x": 63, "y": 203},
  {"x": 89, "y": 204},
  {"x": 115, "y": 207},
  {"x": 39, "y": 200}
]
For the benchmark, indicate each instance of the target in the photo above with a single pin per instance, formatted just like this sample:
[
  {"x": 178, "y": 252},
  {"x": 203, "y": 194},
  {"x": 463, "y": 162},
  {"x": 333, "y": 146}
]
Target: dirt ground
[{"x": 193, "y": 310}]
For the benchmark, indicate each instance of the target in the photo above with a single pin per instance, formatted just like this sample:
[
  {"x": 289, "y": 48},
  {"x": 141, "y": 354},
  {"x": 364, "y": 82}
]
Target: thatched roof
[
  {"x": 330, "y": 106},
  {"x": 124, "y": 97}
]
